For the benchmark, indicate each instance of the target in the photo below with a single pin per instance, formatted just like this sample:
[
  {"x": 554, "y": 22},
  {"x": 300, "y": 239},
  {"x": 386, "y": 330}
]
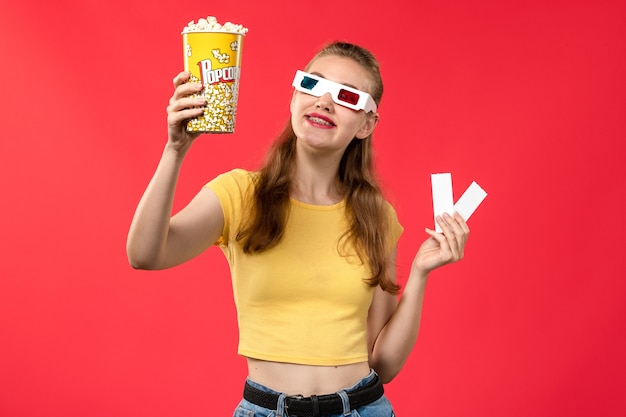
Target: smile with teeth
[{"x": 320, "y": 121}]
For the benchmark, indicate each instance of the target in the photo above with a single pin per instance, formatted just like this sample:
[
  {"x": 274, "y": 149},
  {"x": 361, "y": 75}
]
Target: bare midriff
[{"x": 306, "y": 380}]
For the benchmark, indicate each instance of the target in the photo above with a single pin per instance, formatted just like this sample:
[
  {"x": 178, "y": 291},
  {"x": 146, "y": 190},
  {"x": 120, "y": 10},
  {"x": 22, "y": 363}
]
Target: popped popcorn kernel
[{"x": 211, "y": 24}]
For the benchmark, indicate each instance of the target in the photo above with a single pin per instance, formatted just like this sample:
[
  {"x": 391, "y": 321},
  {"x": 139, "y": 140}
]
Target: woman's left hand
[{"x": 442, "y": 248}]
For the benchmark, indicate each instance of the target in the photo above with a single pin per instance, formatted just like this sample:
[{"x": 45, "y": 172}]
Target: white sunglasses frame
[{"x": 323, "y": 86}]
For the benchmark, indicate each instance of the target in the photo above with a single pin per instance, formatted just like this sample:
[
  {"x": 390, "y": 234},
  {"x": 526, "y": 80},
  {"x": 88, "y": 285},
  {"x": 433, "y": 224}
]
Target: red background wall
[{"x": 526, "y": 98}]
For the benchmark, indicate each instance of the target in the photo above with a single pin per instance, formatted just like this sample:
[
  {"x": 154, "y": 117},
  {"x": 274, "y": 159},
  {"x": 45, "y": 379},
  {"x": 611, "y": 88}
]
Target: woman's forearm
[
  {"x": 397, "y": 338},
  {"x": 150, "y": 225}
]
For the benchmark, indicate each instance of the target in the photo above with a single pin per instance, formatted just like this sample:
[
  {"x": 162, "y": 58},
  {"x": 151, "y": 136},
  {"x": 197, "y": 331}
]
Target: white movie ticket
[
  {"x": 470, "y": 200},
  {"x": 443, "y": 199}
]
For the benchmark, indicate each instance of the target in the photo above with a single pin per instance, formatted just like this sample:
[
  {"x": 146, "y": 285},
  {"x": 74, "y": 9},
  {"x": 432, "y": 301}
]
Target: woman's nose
[{"x": 324, "y": 102}]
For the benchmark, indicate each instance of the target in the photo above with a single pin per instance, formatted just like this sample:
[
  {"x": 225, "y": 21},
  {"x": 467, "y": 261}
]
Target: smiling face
[{"x": 322, "y": 124}]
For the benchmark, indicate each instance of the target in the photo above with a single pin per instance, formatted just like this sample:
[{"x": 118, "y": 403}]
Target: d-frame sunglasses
[{"x": 342, "y": 94}]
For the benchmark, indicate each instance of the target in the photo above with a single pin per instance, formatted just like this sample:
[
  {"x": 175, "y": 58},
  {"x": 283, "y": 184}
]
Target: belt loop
[
  {"x": 345, "y": 402},
  {"x": 316, "y": 406},
  {"x": 280, "y": 406}
]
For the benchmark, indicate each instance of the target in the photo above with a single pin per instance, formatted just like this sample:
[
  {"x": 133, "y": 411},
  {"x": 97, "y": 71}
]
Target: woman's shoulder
[
  {"x": 389, "y": 209},
  {"x": 240, "y": 177},
  {"x": 239, "y": 174},
  {"x": 393, "y": 223}
]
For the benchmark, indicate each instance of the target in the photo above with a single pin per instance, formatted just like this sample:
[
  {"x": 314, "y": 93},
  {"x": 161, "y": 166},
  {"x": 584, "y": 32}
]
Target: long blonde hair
[{"x": 365, "y": 204}]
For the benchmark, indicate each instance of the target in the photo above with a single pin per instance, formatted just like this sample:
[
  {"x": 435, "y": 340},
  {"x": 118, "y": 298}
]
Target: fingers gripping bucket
[{"x": 214, "y": 59}]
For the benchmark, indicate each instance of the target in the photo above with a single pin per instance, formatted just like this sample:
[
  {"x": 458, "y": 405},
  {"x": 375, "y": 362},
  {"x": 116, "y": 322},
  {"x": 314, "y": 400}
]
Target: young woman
[{"x": 311, "y": 244}]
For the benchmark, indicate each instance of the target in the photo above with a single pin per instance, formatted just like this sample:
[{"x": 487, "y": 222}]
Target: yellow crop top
[{"x": 301, "y": 301}]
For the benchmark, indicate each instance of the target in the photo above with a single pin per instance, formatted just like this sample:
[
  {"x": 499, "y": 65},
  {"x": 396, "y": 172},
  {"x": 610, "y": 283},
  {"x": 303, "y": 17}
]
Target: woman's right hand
[{"x": 183, "y": 107}]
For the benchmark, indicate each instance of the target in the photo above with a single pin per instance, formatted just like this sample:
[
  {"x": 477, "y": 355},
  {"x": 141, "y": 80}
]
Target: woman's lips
[{"x": 319, "y": 120}]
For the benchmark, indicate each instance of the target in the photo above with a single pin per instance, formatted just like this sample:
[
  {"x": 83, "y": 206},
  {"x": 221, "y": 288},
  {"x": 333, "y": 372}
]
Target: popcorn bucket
[{"x": 214, "y": 59}]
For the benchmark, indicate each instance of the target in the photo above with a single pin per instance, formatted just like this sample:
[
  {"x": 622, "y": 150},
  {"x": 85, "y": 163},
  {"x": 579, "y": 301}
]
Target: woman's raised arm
[{"x": 156, "y": 240}]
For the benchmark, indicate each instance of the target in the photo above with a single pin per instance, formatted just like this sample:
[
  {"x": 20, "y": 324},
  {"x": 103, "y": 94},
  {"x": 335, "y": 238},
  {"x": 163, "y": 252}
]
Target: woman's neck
[{"x": 316, "y": 182}]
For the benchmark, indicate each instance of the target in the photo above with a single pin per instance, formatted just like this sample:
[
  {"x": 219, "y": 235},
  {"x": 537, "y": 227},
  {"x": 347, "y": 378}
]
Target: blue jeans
[{"x": 379, "y": 408}]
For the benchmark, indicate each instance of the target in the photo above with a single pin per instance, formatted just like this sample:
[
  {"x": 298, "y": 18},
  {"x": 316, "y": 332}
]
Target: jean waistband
[{"x": 317, "y": 406}]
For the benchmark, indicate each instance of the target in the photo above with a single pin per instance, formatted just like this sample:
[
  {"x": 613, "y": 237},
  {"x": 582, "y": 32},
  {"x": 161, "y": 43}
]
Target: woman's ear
[
  {"x": 371, "y": 120},
  {"x": 293, "y": 98}
]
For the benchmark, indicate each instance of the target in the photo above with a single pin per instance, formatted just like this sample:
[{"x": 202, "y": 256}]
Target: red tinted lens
[{"x": 348, "y": 96}]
